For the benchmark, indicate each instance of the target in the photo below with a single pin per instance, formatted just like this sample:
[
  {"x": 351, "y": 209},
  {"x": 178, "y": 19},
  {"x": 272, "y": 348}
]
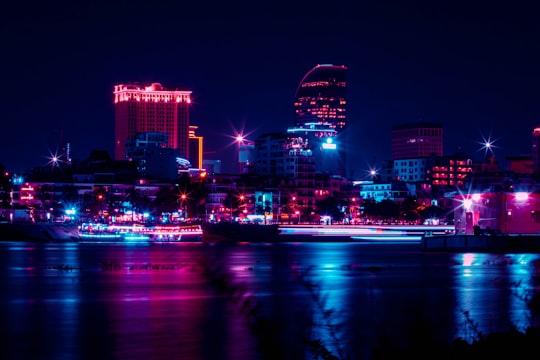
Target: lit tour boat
[{"x": 135, "y": 232}]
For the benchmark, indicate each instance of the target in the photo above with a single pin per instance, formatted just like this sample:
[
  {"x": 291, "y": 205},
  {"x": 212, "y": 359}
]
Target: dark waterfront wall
[
  {"x": 235, "y": 232},
  {"x": 483, "y": 243},
  {"x": 24, "y": 231}
]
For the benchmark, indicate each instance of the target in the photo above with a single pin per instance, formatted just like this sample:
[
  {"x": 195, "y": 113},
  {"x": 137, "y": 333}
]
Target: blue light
[{"x": 329, "y": 146}]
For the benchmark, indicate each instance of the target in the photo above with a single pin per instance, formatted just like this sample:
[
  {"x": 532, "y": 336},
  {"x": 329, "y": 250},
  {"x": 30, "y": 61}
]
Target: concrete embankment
[
  {"x": 482, "y": 243},
  {"x": 38, "y": 232}
]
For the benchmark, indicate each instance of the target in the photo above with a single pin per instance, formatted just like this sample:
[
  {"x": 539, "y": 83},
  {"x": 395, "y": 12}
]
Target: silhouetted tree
[
  {"x": 167, "y": 200},
  {"x": 409, "y": 208},
  {"x": 331, "y": 206},
  {"x": 371, "y": 208},
  {"x": 388, "y": 209}
]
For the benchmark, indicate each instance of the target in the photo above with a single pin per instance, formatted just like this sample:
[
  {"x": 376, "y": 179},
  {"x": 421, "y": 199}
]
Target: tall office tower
[
  {"x": 151, "y": 109},
  {"x": 320, "y": 97},
  {"x": 416, "y": 140},
  {"x": 320, "y": 101},
  {"x": 536, "y": 151}
]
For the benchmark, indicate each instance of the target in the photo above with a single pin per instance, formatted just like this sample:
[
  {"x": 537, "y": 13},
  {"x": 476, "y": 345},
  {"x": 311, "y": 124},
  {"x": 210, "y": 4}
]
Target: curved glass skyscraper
[
  {"x": 320, "y": 97},
  {"x": 321, "y": 117}
]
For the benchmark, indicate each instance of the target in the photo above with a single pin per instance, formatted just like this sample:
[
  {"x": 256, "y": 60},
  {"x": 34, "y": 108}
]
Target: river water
[{"x": 250, "y": 300}]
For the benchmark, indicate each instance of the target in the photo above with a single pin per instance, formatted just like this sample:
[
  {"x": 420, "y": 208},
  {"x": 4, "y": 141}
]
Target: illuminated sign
[{"x": 327, "y": 146}]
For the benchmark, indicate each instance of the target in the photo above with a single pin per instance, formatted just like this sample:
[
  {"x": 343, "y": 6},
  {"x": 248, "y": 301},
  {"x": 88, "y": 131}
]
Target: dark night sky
[{"x": 473, "y": 68}]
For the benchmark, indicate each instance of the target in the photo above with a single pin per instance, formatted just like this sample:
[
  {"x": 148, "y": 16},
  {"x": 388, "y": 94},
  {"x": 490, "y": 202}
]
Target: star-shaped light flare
[
  {"x": 54, "y": 159},
  {"x": 487, "y": 145}
]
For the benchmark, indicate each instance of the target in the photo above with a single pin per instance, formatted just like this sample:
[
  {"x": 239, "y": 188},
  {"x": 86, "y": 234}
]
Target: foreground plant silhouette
[{"x": 514, "y": 342}]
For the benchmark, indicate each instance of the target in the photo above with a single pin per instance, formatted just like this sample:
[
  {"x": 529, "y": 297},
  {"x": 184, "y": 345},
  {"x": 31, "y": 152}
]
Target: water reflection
[
  {"x": 237, "y": 302},
  {"x": 40, "y": 296},
  {"x": 492, "y": 293},
  {"x": 328, "y": 282}
]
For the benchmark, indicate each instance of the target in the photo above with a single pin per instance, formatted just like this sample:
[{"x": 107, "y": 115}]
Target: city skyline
[{"x": 471, "y": 68}]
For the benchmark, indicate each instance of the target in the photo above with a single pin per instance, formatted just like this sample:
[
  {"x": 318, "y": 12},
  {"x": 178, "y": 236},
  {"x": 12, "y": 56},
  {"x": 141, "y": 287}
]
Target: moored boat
[{"x": 136, "y": 232}]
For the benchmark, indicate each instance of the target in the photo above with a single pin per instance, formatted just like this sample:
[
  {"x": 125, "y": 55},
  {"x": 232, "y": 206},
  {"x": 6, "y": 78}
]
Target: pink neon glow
[
  {"x": 149, "y": 93},
  {"x": 315, "y": 68}
]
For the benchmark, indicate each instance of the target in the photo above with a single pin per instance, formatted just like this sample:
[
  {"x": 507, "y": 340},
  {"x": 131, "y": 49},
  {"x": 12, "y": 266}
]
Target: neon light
[{"x": 137, "y": 93}]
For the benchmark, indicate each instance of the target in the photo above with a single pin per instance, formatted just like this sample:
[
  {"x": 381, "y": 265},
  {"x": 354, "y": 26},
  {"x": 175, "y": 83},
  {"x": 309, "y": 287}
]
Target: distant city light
[
  {"x": 488, "y": 145},
  {"x": 372, "y": 172},
  {"x": 17, "y": 179},
  {"x": 53, "y": 159}
]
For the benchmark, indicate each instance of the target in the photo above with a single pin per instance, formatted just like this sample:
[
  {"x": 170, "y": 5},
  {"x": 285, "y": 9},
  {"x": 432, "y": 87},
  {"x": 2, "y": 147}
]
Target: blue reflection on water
[{"x": 492, "y": 293}]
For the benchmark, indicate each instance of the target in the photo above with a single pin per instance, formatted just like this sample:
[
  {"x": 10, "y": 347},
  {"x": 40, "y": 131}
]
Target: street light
[
  {"x": 183, "y": 198},
  {"x": 293, "y": 206},
  {"x": 239, "y": 141},
  {"x": 353, "y": 210}
]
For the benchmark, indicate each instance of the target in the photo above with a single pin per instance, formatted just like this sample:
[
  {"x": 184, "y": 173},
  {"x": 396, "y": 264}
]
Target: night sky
[{"x": 475, "y": 69}]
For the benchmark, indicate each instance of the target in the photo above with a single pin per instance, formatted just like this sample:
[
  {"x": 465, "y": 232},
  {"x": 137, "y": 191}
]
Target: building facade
[
  {"x": 417, "y": 140},
  {"x": 516, "y": 212},
  {"x": 536, "y": 151},
  {"x": 283, "y": 155},
  {"x": 324, "y": 144},
  {"x": 410, "y": 170},
  {"x": 153, "y": 158},
  {"x": 449, "y": 171},
  {"x": 395, "y": 191},
  {"x": 320, "y": 101},
  {"x": 521, "y": 164},
  {"x": 151, "y": 109}
]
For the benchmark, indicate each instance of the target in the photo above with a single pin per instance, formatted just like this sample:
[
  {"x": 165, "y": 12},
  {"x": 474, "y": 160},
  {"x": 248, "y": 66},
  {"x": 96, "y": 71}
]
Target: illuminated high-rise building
[
  {"x": 320, "y": 97},
  {"x": 320, "y": 113},
  {"x": 151, "y": 108}
]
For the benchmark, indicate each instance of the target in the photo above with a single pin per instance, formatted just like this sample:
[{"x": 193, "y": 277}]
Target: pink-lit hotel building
[{"x": 151, "y": 109}]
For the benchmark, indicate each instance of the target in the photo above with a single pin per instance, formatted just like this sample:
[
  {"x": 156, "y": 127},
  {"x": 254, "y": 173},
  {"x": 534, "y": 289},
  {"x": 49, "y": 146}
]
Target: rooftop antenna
[{"x": 68, "y": 153}]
